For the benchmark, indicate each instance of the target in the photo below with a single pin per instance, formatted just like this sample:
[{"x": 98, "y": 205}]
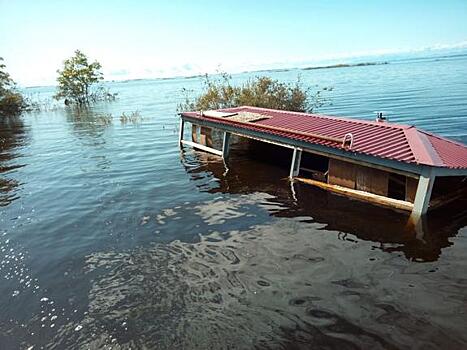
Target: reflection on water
[
  {"x": 110, "y": 237},
  {"x": 286, "y": 285},
  {"x": 88, "y": 124},
  {"x": 390, "y": 228},
  {"x": 13, "y": 135}
]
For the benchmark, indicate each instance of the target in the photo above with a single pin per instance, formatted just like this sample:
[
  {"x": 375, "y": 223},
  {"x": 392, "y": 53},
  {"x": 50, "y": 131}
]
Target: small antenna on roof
[{"x": 381, "y": 116}]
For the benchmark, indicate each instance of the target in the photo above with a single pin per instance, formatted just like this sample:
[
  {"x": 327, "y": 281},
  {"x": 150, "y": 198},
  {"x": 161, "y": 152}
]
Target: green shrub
[
  {"x": 77, "y": 78},
  {"x": 11, "y": 102},
  {"x": 261, "y": 91}
]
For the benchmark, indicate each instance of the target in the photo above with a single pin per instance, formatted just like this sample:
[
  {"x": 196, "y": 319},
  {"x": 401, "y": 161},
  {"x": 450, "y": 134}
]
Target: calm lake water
[{"x": 110, "y": 237}]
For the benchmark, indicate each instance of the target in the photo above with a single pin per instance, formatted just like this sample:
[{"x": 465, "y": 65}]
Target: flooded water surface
[{"x": 111, "y": 237}]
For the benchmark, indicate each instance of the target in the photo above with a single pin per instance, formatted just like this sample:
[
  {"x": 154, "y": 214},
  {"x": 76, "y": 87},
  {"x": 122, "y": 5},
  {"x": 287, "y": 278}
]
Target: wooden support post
[
  {"x": 295, "y": 165},
  {"x": 180, "y": 131},
  {"x": 226, "y": 145},
  {"x": 423, "y": 195}
]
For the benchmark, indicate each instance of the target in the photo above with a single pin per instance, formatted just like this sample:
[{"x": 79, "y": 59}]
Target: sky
[{"x": 150, "y": 39}]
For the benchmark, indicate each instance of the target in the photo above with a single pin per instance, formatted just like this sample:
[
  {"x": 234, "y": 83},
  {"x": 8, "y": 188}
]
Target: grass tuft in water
[{"x": 134, "y": 118}]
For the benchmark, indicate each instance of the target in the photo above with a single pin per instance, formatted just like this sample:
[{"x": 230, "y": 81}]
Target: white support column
[
  {"x": 423, "y": 195},
  {"x": 298, "y": 160},
  {"x": 226, "y": 145},
  {"x": 292, "y": 165},
  {"x": 180, "y": 131},
  {"x": 295, "y": 165}
]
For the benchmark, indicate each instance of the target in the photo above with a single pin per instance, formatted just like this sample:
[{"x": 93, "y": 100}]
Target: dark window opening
[
  {"x": 396, "y": 186},
  {"x": 444, "y": 186},
  {"x": 314, "y": 166},
  {"x": 269, "y": 153}
]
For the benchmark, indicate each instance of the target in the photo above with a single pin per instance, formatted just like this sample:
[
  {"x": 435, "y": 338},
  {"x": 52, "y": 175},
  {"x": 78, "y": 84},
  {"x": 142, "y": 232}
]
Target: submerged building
[{"x": 397, "y": 166}]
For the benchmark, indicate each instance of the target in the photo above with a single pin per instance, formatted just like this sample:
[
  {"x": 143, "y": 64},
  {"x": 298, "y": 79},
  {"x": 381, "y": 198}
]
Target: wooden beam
[
  {"x": 367, "y": 164},
  {"x": 264, "y": 140},
  {"x": 361, "y": 195},
  {"x": 202, "y": 147},
  {"x": 449, "y": 172}
]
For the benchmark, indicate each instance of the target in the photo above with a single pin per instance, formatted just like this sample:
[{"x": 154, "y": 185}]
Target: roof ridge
[
  {"x": 422, "y": 148},
  {"x": 457, "y": 143}
]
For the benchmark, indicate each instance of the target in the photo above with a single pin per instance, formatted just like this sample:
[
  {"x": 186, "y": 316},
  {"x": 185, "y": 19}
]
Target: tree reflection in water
[{"x": 13, "y": 136}]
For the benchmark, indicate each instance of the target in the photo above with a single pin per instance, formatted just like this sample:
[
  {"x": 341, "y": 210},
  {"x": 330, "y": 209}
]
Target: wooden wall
[
  {"x": 372, "y": 180},
  {"x": 358, "y": 177},
  {"x": 341, "y": 173},
  {"x": 194, "y": 133},
  {"x": 410, "y": 189},
  {"x": 206, "y": 137},
  {"x": 201, "y": 135}
]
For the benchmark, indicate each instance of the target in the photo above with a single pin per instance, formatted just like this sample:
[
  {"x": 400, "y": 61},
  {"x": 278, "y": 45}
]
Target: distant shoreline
[
  {"x": 341, "y": 65},
  {"x": 346, "y": 65},
  {"x": 286, "y": 69}
]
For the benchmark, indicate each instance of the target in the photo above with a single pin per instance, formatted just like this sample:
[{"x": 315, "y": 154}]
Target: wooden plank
[
  {"x": 361, "y": 195},
  {"x": 341, "y": 173},
  {"x": 217, "y": 114},
  {"x": 371, "y": 180},
  {"x": 410, "y": 189},
  {"x": 205, "y": 136},
  {"x": 202, "y": 147}
]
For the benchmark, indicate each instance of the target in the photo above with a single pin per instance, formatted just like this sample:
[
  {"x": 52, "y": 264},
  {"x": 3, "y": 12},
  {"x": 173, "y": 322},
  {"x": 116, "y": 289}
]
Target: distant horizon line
[{"x": 303, "y": 66}]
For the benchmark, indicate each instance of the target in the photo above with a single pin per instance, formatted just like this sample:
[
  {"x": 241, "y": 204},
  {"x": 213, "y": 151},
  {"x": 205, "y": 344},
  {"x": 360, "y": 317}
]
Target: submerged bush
[
  {"x": 261, "y": 91},
  {"x": 11, "y": 102},
  {"x": 77, "y": 78}
]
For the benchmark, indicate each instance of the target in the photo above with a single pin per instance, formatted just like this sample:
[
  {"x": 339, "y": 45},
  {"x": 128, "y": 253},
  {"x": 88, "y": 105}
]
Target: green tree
[
  {"x": 261, "y": 91},
  {"x": 11, "y": 101},
  {"x": 77, "y": 77}
]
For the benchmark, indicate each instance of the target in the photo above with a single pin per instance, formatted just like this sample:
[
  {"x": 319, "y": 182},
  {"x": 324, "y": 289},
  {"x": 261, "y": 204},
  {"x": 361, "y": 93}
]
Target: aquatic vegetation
[
  {"x": 261, "y": 91},
  {"x": 37, "y": 103},
  {"x": 134, "y": 117},
  {"x": 104, "y": 119},
  {"x": 11, "y": 101}
]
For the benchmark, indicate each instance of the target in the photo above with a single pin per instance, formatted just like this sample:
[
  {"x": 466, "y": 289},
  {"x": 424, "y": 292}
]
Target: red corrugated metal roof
[{"x": 380, "y": 139}]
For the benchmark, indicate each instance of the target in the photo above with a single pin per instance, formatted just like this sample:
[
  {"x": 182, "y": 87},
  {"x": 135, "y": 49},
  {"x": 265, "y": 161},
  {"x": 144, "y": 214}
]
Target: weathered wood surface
[
  {"x": 341, "y": 173},
  {"x": 361, "y": 195},
  {"x": 206, "y": 136},
  {"x": 410, "y": 189},
  {"x": 202, "y": 147},
  {"x": 194, "y": 133},
  {"x": 371, "y": 180}
]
